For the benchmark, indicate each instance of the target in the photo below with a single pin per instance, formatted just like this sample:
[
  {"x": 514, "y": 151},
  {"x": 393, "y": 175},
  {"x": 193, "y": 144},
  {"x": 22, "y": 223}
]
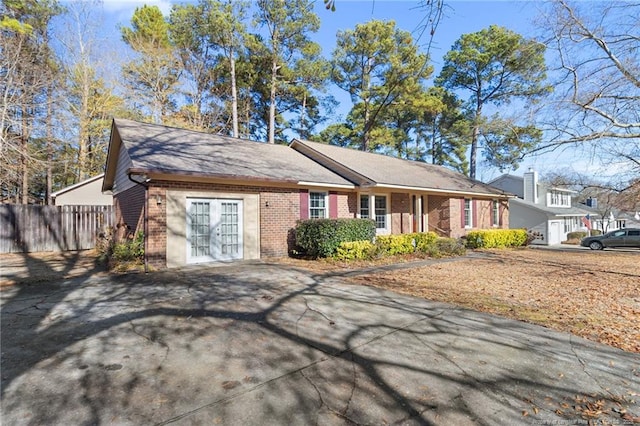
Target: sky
[{"x": 460, "y": 17}]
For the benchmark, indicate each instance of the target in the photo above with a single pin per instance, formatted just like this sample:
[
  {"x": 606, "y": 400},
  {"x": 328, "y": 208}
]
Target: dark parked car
[{"x": 627, "y": 237}]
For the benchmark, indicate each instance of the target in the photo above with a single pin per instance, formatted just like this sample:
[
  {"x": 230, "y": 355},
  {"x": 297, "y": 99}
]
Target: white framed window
[
  {"x": 468, "y": 213},
  {"x": 365, "y": 212},
  {"x": 318, "y": 202},
  {"x": 495, "y": 206},
  {"x": 380, "y": 205},
  {"x": 375, "y": 207},
  {"x": 559, "y": 199}
]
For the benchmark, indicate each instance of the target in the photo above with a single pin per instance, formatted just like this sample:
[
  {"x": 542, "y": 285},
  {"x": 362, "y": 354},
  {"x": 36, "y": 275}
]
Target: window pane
[
  {"x": 317, "y": 205},
  {"x": 381, "y": 211},
  {"x": 467, "y": 213},
  {"x": 364, "y": 206}
]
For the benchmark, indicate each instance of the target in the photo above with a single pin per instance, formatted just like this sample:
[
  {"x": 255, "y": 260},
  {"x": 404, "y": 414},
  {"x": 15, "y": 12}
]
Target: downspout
[{"x": 145, "y": 184}]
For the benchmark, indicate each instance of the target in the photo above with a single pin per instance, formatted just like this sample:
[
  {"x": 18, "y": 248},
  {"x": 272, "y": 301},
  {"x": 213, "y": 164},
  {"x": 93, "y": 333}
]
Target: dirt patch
[
  {"x": 595, "y": 295},
  {"x": 22, "y": 268}
]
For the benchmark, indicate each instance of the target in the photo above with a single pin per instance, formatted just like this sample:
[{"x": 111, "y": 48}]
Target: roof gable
[
  {"x": 161, "y": 149},
  {"x": 77, "y": 185}
]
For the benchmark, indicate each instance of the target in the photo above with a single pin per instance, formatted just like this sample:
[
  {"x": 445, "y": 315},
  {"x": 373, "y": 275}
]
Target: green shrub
[
  {"x": 405, "y": 243},
  {"x": 496, "y": 238},
  {"x": 424, "y": 240},
  {"x": 595, "y": 232},
  {"x": 449, "y": 247},
  {"x": 129, "y": 250},
  {"x": 355, "y": 250},
  {"x": 395, "y": 244},
  {"x": 578, "y": 235},
  {"x": 321, "y": 237}
]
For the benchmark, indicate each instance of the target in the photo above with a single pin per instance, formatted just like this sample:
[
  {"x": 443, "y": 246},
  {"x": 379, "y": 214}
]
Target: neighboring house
[
  {"x": 211, "y": 197},
  {"x": 609, "y": 219},
  {"x": 547, "y": 212},
  {"x": 85, "y": 193}
]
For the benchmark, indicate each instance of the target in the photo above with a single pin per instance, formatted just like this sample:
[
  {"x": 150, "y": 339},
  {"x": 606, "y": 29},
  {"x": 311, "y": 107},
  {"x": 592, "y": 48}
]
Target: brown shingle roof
[
  {"x": 161, "y": 149},
  {"x": 381, "y": 170}
]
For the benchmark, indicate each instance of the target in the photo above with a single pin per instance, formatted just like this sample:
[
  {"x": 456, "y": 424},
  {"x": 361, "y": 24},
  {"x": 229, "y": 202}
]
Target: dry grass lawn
[{"x": 595, "y": 295}]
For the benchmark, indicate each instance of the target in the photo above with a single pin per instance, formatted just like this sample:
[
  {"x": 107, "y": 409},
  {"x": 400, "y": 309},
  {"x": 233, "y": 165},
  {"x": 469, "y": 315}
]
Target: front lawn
[{"x": 595, "y": 295}]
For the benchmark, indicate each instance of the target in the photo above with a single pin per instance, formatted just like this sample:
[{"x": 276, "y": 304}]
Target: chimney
[{"x": 531, "y": 186}]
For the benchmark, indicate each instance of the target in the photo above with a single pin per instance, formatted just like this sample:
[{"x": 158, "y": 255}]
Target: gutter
[{"x": 144, "y": 182}]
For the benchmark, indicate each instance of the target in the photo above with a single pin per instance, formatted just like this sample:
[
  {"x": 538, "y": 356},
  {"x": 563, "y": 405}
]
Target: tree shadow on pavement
[{"x": 249, "y": 344}]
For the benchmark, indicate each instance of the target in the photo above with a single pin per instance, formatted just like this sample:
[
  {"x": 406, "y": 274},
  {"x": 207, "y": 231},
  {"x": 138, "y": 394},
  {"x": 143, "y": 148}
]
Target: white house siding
[
  {"x": 533, "y": 220},
  {"x": 510, "y": 184},
  {"x": 89, "y": 194}
]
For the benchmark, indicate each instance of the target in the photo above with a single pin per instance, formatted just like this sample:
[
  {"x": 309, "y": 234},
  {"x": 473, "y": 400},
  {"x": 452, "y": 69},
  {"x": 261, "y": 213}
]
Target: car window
[
  {"x": 619, "y": 233},
  {"x": 634, "y": 233}
]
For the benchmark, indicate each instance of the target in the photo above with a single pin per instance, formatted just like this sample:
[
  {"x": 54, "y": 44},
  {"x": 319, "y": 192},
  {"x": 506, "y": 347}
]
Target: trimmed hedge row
[
  {"x": 496, "y": 238},
  {"x": 321, "y": 237},
  {"x": 389, "y": 245}
]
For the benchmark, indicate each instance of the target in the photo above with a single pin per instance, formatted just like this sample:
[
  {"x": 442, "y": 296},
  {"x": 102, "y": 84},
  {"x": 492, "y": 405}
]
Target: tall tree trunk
[
  {"x": 234, "y": 93},
  {"x": 434, "y": 144},
  {"x": 47, "y": 199},
  {"x": 83, "y": 141},
  {"x": 24, "y": 171},
  {"x": 474, "y": 141},
  {"x": 303, "y": 128},
  {"x": 366, "y": 86},
  {"x": 272, "y": 101},
  {"x": 365, "y": 134}
]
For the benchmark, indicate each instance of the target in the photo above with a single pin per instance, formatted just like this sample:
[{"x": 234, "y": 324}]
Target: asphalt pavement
[{"x": 259, "y": 343}]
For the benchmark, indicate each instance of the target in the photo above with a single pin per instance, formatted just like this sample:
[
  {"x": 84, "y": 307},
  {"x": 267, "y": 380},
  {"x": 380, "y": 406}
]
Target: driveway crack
[{"x": 584, "y": 368}]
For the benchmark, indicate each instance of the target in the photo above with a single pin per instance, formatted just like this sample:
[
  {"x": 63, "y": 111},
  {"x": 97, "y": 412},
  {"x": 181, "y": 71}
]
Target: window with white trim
[
  {"x": 380, "y": 211},
  {"x": 468, "y": 213},
  {"x": 559, "y": 199},
  {"x": 318, "y": 205},
  {"x": 364, "y": 207},
  {"x": 496, "y": 212},
  {"x": 375, "y": 207}
]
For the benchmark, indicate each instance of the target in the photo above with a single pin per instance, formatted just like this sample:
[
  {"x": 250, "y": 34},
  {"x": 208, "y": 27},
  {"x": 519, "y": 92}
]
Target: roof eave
[
  {"x": 171, "y": 175},
  {"x": 439, "y": 190}
]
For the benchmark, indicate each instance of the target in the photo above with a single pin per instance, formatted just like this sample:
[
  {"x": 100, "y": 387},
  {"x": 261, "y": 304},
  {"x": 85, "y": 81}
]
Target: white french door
[{"x": 214, "y": 230}]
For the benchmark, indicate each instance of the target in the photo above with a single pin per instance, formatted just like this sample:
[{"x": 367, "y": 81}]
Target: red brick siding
[
  {"x": 157, "y": 227},
  {"x": 276, "y": 221},
  {"x": 440, "y": 216},
  {"x": 348, "y": 204},
  {"x": 400, "y": 213},
  {"x": 504, "y": 214}
]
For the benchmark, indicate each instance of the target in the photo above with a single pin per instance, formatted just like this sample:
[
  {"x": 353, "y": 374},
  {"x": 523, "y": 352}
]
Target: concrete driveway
[{"x": 259, "y": 343}]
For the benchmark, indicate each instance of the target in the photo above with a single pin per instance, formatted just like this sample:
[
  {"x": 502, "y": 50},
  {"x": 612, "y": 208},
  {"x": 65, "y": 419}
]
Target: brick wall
[
  {"x": 400, "y": 213},
  {"x": 277, "y": 220},
  {"x": 279, "y": 212},
  {"x": 347, "y": 204},
  {"x": 156, "y": 227},
  {"x": 440, "y": 215}
]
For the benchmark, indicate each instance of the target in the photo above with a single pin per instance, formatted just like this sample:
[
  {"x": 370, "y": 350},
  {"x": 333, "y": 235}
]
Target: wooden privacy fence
[{"x": 26, "y": 228}]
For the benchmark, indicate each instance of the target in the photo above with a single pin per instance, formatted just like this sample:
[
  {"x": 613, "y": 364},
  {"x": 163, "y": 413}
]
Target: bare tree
[
  {"x": 598, "y": 82},
  {"x": 27, "y": 67}
]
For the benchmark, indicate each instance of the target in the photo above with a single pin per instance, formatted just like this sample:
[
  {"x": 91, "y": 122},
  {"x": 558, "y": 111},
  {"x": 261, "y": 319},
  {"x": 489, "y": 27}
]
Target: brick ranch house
[{"x": 201, "y": 197}]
